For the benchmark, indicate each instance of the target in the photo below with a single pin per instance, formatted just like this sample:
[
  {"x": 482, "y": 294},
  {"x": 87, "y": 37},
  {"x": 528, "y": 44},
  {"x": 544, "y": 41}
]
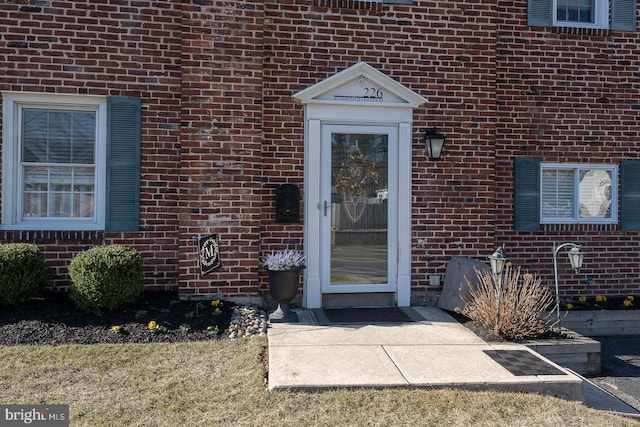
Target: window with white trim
[
  {"x": 53, "y": 165},
  {"x": 581, "y": 13},
  {"x": 618, "y": 15},
  {"x": 573, "y": 193}
]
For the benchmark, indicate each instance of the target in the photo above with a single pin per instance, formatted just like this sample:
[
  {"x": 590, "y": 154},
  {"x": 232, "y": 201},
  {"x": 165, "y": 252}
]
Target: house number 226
[{"x": 372, "y": 92}]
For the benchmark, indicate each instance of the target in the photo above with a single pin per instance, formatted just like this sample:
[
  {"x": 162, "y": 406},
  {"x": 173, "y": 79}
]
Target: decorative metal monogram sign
[{"x": 209, "y": 249}]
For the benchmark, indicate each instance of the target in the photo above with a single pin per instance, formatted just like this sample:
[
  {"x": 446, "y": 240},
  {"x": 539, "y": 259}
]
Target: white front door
[
  {"x": 357, "y": 233},
  {"x": 359, "y": 199}
]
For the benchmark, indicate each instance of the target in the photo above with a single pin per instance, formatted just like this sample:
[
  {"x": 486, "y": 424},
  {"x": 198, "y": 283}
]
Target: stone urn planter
[
  {"x": 284, "y": 277},
  {"x": 283, "y": 287}
]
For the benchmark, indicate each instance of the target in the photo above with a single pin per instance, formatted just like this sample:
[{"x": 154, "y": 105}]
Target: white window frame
[
  {"x": 600, "y": 11},
  {"x": 12, "y": 186},
  {"x": 576, "y": 219}
]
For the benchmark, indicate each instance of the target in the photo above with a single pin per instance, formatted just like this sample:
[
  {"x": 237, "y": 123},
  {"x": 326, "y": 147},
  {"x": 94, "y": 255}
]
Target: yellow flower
[
  {"x": 215, "y": 302},
  {"x": 217, "y": 311},
  {"x": 630, "y": 298},
  {"x": 600, "y": 298},
  {"x": 152, "y": 325},
  {"x": 569, "y": 306},
  {"x": 115, "y": 328},
  {"x": 627, "y": 303},
  {"x": 582, "y": 299}
]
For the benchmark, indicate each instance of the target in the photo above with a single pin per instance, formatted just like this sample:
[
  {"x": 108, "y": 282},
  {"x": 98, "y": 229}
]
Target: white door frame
[
  {"x": 359, "y": 95},
  {"x": 313, "y": 210}
]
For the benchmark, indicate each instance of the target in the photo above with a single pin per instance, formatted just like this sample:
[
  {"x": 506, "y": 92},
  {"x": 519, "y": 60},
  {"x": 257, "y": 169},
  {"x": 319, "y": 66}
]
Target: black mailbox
[{"x": 287, "y": 203}]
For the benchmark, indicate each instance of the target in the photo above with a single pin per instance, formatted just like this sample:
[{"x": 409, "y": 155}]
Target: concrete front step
[{"x": 439, "y": 352}]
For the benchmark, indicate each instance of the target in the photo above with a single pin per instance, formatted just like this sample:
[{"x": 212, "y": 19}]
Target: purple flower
[{"x": 284, "y": 260}]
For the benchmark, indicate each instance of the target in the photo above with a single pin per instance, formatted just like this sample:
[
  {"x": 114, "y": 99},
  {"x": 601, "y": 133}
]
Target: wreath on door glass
[{"x": 356, "y": 175}]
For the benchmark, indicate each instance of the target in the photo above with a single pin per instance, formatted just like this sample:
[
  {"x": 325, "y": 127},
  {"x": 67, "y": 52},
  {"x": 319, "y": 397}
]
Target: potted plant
[{"x": 284, "y": 276}]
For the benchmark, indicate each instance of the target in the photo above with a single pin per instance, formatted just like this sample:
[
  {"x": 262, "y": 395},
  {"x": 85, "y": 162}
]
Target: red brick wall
[
  {"x": 566, "y": 96},
  {"x": 443, "y": 51},
  {"x": 106, "y": 48},
  {"x": 221, "y": 143},
  {"x": 221, "y": 131}
]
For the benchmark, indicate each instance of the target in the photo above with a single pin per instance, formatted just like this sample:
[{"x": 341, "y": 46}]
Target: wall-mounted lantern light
[{"x": 434, "y": 142}]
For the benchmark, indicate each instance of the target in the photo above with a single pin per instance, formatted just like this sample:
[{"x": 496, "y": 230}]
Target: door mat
[
  {"x": 522, "y": 362},
  {"x": 328, "y": 316}
]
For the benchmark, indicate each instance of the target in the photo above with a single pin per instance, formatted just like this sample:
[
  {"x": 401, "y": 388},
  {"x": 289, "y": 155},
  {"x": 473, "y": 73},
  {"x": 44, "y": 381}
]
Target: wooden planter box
[
  {"x": 580, "y": 353},
  {"x": 602, "y": 322}
]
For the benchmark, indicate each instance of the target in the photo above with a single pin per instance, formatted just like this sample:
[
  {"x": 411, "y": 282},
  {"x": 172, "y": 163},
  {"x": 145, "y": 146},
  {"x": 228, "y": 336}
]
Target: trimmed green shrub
[
  {"x": 106, "y": 277},
  {"x": 23, "y": 272}
]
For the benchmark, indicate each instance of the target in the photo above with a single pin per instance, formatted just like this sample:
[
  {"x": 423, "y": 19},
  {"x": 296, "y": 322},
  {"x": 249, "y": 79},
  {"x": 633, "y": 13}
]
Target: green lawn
[{"x": 221, "y": 383}]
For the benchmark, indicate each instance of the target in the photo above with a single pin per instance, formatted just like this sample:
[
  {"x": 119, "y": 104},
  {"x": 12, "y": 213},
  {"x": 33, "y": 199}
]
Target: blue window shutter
[
  {"x": 398, "y": 1},
  {"x": 623, "y": 15},
  {"x": 123, "y": 164},
  {"x": 630, "y": 195},
  {"x": 540, "y": 13},
  {"x": 527, "y": 194}
]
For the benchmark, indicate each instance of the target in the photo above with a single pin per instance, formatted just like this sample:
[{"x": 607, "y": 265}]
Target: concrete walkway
[{"x": 438, "y": 352}]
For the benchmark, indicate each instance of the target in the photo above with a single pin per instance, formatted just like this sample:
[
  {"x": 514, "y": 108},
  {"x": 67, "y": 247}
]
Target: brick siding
[
  {"x": 221, "y": 130},
  {"x": 107, "y": 48},
  {"x": 566, "y": 96}
]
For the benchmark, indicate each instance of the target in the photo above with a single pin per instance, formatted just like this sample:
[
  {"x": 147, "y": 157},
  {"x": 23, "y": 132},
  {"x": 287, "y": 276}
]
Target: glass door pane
[{"x": 359, "y": 208}]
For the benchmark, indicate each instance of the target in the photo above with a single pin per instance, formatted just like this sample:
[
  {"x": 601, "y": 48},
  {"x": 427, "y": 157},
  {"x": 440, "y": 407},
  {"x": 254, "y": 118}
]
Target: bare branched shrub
[{"x": 523, "y": 301}]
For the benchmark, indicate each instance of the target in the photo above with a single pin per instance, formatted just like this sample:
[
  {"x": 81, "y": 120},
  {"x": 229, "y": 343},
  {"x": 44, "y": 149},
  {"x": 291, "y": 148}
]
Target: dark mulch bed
[
  {"x": 475, "y": 327},
  {"x": 54, "y": 319},
  {"x": 489, "y": 336}
]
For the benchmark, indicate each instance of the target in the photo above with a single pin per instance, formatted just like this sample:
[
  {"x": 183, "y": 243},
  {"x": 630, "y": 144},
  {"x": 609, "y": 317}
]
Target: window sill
[
  {"x": 349, "y": 4},
  {"x": 598, "y": 32},
  {"x": 576, "y": 227},
  {"x": 37, "y": 236}
]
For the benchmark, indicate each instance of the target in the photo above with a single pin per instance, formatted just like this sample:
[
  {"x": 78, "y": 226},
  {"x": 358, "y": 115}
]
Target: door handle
[{"x": 326, "y": 206}]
